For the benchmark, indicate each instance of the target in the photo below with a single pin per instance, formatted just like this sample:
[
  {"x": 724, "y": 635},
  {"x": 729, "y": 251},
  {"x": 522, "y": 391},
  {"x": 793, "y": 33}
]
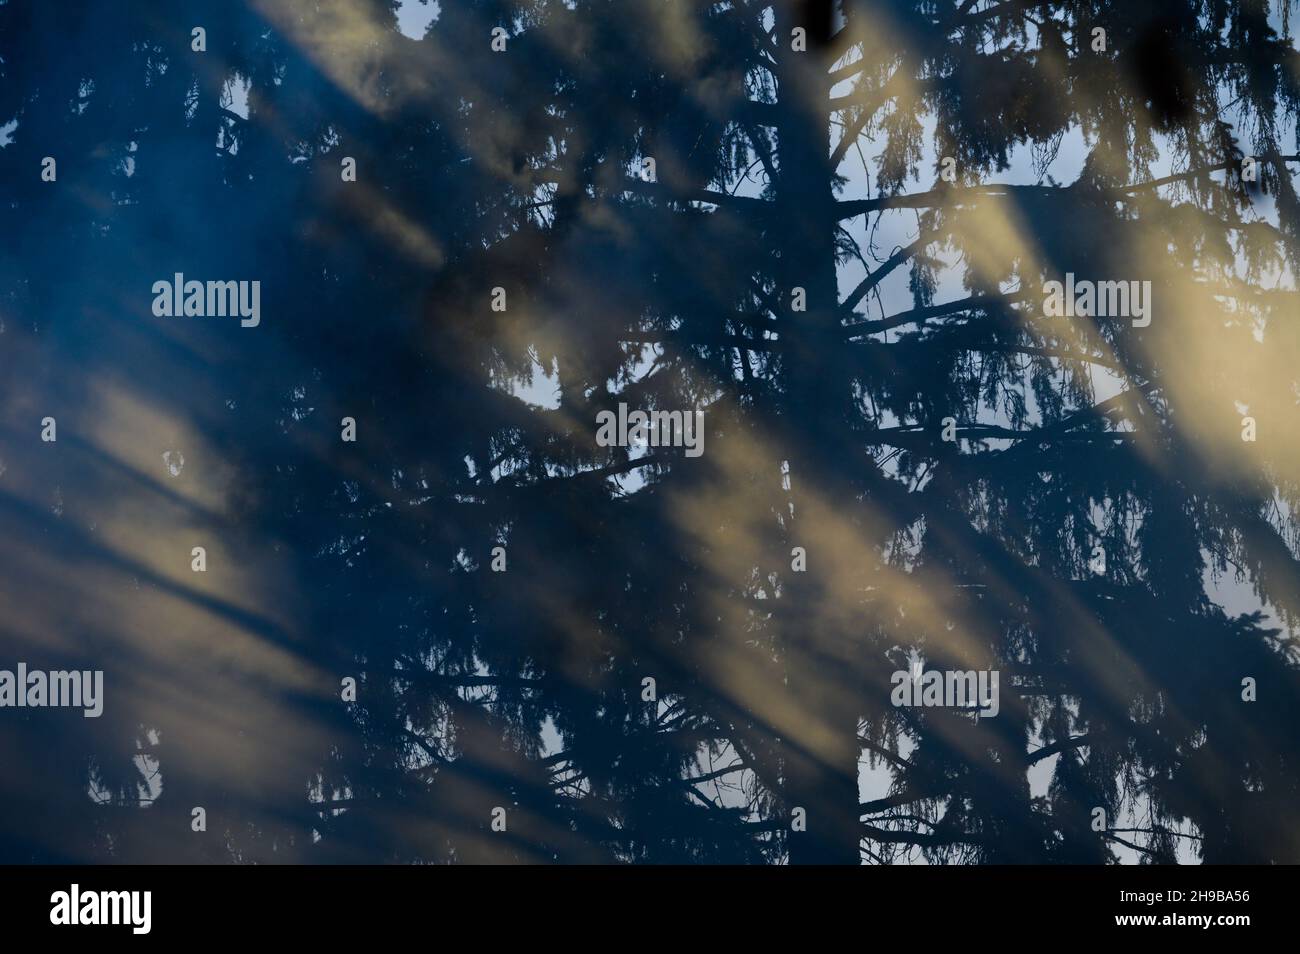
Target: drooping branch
[
  {"x": 1047, "y": 751},
  {"x": 933, "y": 840},
  {"x": 1193, "y": 174},
  {"x": 947, "y": 196},
  {"x": 1005, "y": 9},
  {"x": 919, "y": 435},
  {"x": 761, "y": 150},
  {"x": 879, "y": 275},
  {"x": 504, "y": 488},
  {"x": 702, "y": 339},
  {"x": 870, "y": 104},
  {"x": 898, "y": 800},
  {"x": 919, "y": 316}
]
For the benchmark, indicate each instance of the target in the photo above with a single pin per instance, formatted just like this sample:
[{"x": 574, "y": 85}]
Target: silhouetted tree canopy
[{"x": 838, "y": 252}]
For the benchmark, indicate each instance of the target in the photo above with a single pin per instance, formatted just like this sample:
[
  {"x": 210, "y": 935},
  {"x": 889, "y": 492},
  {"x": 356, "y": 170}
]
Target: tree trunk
[{"x": 820, "y": 734}]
